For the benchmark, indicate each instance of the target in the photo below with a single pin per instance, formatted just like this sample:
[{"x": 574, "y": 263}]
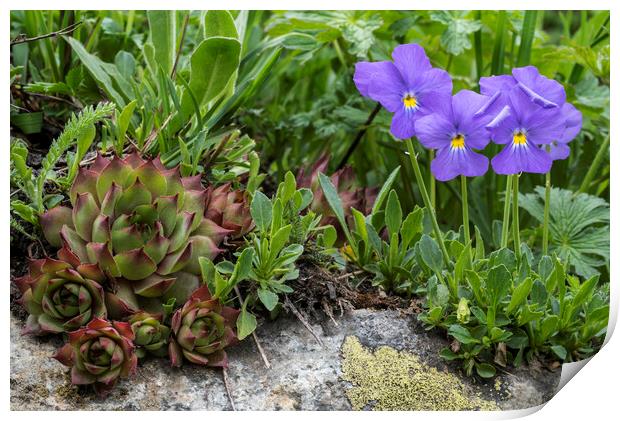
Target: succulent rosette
[
  {"x": 61, "y": 294},
  {"x": 229, "y": 209},
  {"x": 99, "y": 354},
  {"x": 202, "y": 328},
  {"x": 344, "y": 181},
  {"x": 144, "y": 225},
  {"x": 151, "y": 335}
]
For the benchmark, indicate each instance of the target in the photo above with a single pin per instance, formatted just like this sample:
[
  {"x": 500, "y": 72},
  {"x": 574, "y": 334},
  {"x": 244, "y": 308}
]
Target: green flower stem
[
  {"x": 515, "y": 216},
  {"x": 598, "y": 159},
  {"x": 431, "y": 179},
  {"x": 506, "y": 220},
  {"x": 465, "y": 211},
  {"x": 545, "y": 244},
  {"x": 427, "y": 201}
]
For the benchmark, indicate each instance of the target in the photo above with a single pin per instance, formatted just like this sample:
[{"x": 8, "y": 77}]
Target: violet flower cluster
[{"x": 526, "y": 111}]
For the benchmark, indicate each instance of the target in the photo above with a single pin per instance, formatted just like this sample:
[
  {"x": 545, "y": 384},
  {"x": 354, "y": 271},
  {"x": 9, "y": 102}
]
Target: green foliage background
[{"x": 292, "y": 90}]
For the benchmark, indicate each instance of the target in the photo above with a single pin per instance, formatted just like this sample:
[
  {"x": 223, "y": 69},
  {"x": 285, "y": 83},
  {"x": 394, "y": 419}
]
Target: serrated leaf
[
  {"x": 456, "y": 37},
  {"x": 578, "y": 227}
]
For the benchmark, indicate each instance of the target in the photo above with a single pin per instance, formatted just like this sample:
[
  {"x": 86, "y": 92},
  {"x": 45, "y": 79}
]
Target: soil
[{"x": 318, "y": 289}]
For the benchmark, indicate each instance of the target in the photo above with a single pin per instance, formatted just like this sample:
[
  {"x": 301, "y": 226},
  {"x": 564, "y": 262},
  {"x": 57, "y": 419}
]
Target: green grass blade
[
  {"x": 499, "y": 48},
  {"x": 527, "y": 38}
]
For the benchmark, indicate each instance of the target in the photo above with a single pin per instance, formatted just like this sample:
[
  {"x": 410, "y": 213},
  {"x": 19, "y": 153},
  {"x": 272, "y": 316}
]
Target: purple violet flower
[
  {"x": 523, "y": 125},
  {"x": 454, "y": 129},
  {"x": 559, "y": 148},
  {"x": 546, "y": 93},
  {"x": 407, "y": 87}
]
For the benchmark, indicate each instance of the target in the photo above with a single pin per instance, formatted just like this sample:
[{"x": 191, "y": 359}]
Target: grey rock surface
[{"x": 305, "y": 375}]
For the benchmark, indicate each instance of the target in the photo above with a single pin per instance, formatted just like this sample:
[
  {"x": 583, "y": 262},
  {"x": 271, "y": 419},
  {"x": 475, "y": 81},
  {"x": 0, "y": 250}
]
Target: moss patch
[{"x": 387, "y": 379}]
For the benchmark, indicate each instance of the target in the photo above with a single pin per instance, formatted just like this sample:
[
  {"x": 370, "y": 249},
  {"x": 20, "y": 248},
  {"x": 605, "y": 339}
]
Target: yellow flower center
[
  {"x": 519, "y": 138},
  {"x": 409, "y": 101},
  {"x": 458, "y": 141}
]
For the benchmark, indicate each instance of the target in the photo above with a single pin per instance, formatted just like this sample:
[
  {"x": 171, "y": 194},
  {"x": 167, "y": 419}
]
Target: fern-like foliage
[
  {"x": 78, "y": 127},
  {"x": 578, "y": 227},
  {"x": 74, "y": 129},
  {"x": 15, "y": 225}
]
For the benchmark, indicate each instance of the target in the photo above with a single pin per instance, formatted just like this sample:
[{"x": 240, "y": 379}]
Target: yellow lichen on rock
[{"x": 387, "y": 379}]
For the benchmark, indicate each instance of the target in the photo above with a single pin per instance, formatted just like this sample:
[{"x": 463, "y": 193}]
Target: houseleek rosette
[
  {"x": 229, "y": 209},
  {"x": 344, "y": 181},
  {"x": 61, "y": 294},
  {"x": 144, "y": 225},
  {"x": 99, "y": 354},
  {"x": 202, "y": 328},
  {"x": 151, "y": 335}
]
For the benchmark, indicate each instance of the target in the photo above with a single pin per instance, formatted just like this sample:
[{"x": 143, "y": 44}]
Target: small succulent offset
[
  {"x": 144, "y": 226},
  {"x": 99, "y": 354},
  {"x": 61, "y": 294},
  {"x": 202, "y": 329},
  {"x": 344, "y": 183},
  {"x": 151, "y": 335}
]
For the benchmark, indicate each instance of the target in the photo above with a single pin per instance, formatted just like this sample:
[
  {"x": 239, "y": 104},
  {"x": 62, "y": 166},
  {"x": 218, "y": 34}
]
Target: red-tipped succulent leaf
[
  {"x": 61, "y": 294},
  {"x": 143, "y": 224},
  {"x": 99, "y": 354},
  {"x": 202, "y": 329}
]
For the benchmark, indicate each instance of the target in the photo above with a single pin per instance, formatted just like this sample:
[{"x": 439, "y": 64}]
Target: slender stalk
[
  {"x": 431, "y": 179},
  {"x": 598, "y": 159},
  {"x": 360, "y": 135},
  {"x": 506, "y": 220},
  {"x": 497, "y": 62},
  {"x": 545, "y": 244},
  {"x": 178, "y": 55},
  {"x": 527, "y": 38},
  {"x": 427, "y": 201},
  {"x": 515, "y": 216},
  {"x": 478, "y": 47},
  {"x": 449, "y": 63},
  {"x": 339, "y": 53},
  {"x": 465, "y": 206}
]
